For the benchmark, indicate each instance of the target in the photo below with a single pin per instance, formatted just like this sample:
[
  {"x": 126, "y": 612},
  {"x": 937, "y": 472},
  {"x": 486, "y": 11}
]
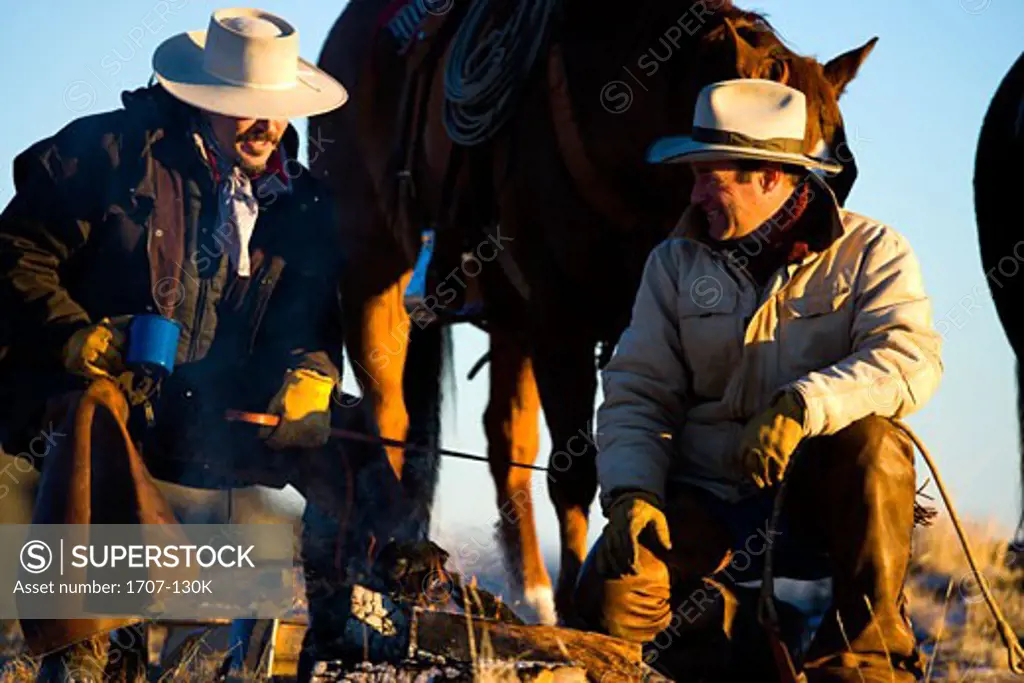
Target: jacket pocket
[
  {"x": 710, "y": 333},
  {"x": 815, "y": 329},
  {"x": 819, "y": 302}
]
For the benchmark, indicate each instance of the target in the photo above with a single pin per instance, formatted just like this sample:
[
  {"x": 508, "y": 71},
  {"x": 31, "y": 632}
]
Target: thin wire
[{"x": 1014, "y": 651}]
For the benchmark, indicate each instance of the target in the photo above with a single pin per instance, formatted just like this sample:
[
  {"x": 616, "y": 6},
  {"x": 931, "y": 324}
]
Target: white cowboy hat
[
  {"x": 744, "y": 118},
  {"x": 247, "y": 65}
]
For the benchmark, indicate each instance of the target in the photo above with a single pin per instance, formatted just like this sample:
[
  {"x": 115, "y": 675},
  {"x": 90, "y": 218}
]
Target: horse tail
[{"x": 428, "y": 363}]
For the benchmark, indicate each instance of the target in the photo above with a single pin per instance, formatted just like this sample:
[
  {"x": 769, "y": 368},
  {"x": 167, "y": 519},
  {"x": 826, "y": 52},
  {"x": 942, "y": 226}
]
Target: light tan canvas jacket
[{"x": 849, "y": 328}]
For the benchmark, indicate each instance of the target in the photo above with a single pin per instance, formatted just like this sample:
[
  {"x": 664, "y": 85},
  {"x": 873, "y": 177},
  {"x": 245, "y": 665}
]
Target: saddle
[{"x": 413, "y": 37}]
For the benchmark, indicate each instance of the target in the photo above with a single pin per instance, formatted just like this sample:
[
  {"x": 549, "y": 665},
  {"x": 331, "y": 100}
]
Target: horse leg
[
  {"x": 377, "y": 331},
  {"x": 511, "y": 426},
  {"x": 567, "y": 380},
  {"x": 398, "y": 366}
]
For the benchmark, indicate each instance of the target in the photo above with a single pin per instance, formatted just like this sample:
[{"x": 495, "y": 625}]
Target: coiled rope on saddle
[
  {"x": 484, "y": 75},
  {"x": 769, "y": 618}
]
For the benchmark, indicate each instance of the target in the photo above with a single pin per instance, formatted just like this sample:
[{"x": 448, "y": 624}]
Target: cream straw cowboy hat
[
  {"x": 744, "y": 118},
  {"x": 247, "y": 65}
]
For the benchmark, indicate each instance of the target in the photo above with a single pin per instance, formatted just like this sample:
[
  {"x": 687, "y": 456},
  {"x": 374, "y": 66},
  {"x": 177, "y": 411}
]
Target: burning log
[{"x": 403, "y": 617}]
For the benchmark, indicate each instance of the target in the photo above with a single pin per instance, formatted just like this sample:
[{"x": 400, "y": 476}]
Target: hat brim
[
  {"x": 178, "y": 64},
  {"x": 684, "y": 149}
]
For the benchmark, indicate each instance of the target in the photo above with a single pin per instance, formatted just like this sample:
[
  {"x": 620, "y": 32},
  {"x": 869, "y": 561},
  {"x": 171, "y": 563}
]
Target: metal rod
[{"x": 267, "y": 420}]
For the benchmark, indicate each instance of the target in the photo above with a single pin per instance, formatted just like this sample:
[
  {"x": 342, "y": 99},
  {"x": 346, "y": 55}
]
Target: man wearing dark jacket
[{"x": 188, "y": 203}]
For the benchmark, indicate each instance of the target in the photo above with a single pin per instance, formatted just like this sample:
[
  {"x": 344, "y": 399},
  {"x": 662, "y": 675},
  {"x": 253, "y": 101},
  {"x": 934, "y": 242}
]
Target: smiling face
[
  {"x": 737, "y": 201},
  {"x": 251, "y": 141}
]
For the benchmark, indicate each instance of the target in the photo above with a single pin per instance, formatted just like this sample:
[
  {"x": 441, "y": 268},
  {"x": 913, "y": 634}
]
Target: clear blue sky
[{"x": 913, "y": 116}]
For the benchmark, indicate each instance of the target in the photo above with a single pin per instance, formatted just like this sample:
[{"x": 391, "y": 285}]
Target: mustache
[{"x": 258, "y": 136}]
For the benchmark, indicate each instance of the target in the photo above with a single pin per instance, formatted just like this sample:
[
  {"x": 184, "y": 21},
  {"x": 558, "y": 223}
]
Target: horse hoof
[{"x": 541, "y": 600}]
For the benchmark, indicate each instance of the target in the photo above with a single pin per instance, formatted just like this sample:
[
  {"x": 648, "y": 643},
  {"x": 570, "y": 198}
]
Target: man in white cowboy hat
[
  {"x": 189, "y": 203},
  {"x": 771, "y": 340}
]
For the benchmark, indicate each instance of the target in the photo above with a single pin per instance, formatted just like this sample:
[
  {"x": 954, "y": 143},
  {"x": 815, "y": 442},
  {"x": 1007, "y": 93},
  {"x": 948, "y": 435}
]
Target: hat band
[
  {"x": 254, "y": 86},
  {"x": 728, "y": 137}
]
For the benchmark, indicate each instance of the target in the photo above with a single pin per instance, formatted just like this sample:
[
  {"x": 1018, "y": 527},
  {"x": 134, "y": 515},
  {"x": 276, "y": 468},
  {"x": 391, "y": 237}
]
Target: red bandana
[
  {"x": 274, "y": 167},
  {"x": 778, "y": 226},
  {"x": 779, "y": 240}
]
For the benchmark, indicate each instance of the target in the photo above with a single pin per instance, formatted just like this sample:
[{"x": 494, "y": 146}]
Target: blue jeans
[{"x": 747, "y": 523}]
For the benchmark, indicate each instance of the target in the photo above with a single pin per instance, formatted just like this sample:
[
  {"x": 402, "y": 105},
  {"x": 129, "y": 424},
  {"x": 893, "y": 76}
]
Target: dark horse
[
  {"x": 998, "y": 179},
  {"x": 556, "y": 211}
]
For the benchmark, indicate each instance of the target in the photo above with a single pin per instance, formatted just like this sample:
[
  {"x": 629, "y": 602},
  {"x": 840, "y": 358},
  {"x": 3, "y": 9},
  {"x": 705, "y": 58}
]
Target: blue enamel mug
[{"x": 153, "y": 342}]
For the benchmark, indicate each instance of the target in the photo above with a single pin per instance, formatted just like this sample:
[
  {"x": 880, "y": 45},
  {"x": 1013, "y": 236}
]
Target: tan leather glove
[
  {"x": 769, "y": 439},
  {"x": 96, "y": 351},
  {"x": 629, "y": 514},
  {"x": 304, "y": 405}
]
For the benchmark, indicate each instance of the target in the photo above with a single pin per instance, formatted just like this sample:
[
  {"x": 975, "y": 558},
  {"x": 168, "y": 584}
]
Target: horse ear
[
  {"x": 746, "y": 54},
  {"x": 842, "y": 69}
]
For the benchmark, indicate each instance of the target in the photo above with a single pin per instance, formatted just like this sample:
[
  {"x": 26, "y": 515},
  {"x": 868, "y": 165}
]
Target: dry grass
[
  {"x": 20, "y": 670},
  {"x": 14, "y": 667},
  {"x": 199, "y": 663},
  {"x": 946, "y": 603}
]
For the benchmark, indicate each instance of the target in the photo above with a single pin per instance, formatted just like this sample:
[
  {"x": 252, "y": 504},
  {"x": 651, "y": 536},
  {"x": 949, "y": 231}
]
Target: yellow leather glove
[
  {"x": 304, "y": 405},
  {"x": 769, "y": 439},
  {"x": 619, "y": 552},
  {"x": 95, "y": 351}
]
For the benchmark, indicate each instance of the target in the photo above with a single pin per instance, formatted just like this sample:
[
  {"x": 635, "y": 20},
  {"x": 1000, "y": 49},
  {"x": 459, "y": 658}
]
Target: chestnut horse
[
  {"x": 558, "y": 210},
  {"x": 998, "y": 178}
]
